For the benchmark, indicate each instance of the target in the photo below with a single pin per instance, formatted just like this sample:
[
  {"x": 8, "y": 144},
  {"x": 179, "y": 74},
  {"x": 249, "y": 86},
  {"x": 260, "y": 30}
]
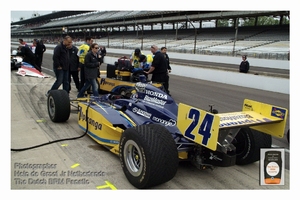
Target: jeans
[
  {"x": 62, "y": 77},
  {"x": 82, "y": 75},
  {"x": 75, "y": 76},
  {"x": 89, "y": 82}
]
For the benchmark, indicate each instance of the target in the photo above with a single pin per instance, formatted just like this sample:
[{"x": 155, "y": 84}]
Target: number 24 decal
[{"x": 204, "y": 128}]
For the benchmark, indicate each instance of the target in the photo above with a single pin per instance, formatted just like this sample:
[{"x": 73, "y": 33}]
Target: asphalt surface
[{"x": 30, "y": 126}]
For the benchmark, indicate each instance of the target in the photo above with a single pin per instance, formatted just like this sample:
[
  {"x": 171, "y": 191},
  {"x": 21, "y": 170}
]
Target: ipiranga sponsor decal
[{"x": 97, "y": 125}]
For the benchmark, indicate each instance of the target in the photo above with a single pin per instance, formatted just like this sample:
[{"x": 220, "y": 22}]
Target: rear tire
[
  {"x": 148, "y": 155},
  {"x": 58, "y": 104},
  {"x": 248, "y": 143}
]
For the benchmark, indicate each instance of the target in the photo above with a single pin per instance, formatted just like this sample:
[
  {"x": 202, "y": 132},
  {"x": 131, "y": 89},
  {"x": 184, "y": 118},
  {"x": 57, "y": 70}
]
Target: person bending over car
[{"x": 28, "y": 56}]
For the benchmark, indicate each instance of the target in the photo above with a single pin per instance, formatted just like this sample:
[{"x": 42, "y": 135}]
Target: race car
[
  {"x": 151, "y": 133},
  {"x": 119, "y": 86},
  {"x": 15, "y": 61},
  {"x": 119, "y": 81}
]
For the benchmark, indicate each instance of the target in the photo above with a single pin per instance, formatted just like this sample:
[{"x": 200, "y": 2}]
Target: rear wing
[{"x": 203, "y": 127}]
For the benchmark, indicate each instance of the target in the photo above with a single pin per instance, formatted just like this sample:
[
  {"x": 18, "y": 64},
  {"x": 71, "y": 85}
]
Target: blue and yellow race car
[
  {"x": 151, "y": 133},
  {"x": 119, "y": 81}
]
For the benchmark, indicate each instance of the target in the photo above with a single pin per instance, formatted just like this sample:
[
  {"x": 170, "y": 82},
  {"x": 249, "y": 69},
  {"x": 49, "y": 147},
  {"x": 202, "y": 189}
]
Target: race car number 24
[{"x": 204, "y": 128}]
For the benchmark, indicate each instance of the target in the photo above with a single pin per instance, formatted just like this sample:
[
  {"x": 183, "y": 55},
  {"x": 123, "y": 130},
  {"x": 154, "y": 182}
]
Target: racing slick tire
[
  {"x": 148, "y": 155},
  {"x": 248, "y": 143},
  {"x": 58, "y": 104}
]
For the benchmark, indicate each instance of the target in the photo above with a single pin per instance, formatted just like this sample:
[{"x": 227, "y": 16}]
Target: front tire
[
  {"x": 148, "y": 155},
  {"x": 248, "y": 143},
  {"x": 58, "y": 104}
]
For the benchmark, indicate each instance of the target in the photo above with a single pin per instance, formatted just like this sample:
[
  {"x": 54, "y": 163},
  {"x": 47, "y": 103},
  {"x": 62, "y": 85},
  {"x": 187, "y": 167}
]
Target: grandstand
[{"x": 179, "y": 31}]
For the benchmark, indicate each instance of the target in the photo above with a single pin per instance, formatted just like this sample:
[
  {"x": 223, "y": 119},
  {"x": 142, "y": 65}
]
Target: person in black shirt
[
  {"x": 159, "y": 68},
  {"x": 164, "y": 51},
  {"x": 74, "y": 67},
  {"x": 38, "y": 53},
  {"x": 61, "y": 64},
  {"x": 43, "y": 49},
  {"x": 244, "y": 66},
  {"x": 102, "y": 53}
]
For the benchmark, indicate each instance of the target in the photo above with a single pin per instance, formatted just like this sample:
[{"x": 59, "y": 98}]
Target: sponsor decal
[
  {"x": 244, "y": 122},
  {"x": 171, "y": 122},
  {"x": 156, "y": 94},
  {"x": 141, "y": 112},
  {"x": 22, "y": 72},
  {"x": 277, "y": 112},
  {"x": 83, "y": 117},
  {"x": 154, "y": 100},
  {"x": 105, "y": 82},
  {"x": 236, "y": 117},
  {"x": 248, "y": 106}
]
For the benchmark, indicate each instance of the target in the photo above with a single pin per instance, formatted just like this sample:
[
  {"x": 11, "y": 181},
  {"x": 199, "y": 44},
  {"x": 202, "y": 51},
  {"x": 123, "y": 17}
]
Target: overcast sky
[{"x": 16, "y": 15}]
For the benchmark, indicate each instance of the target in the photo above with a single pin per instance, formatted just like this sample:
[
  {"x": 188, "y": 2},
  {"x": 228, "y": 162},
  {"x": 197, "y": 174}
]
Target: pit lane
[{"x": 29, "y": 115}]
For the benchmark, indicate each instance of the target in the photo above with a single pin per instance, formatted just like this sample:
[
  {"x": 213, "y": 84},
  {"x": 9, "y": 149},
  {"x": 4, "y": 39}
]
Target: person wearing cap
[
  {"x": 145, "y": 64},
  {"x": 244, "y": 66},
  {"x": 135, "y": 57}
]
